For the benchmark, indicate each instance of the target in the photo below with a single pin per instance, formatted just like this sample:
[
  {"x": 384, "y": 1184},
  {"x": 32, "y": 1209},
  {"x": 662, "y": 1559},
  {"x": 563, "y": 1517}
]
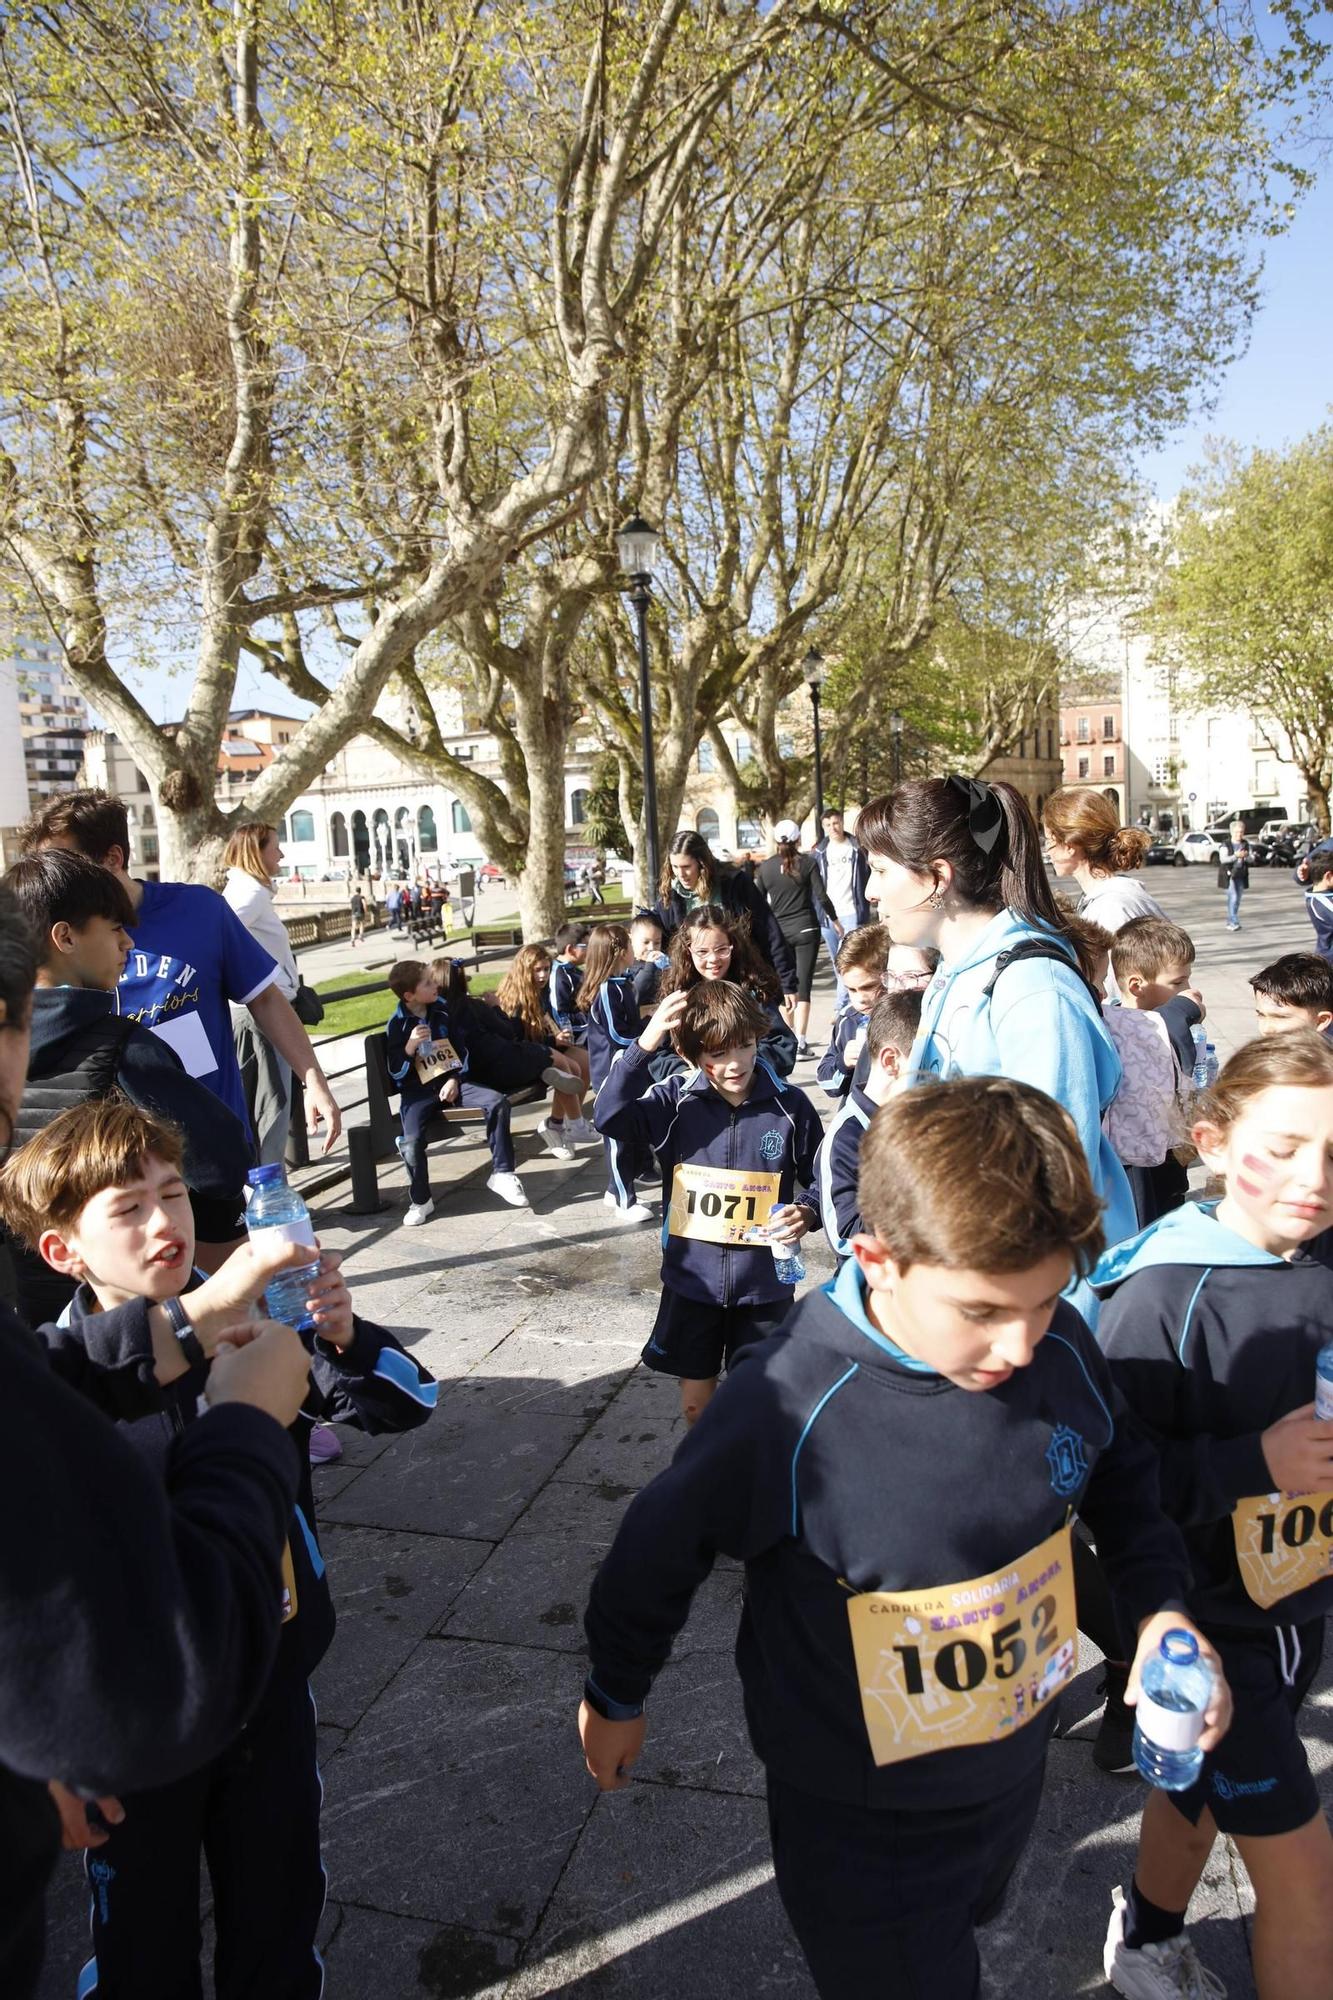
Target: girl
[
  {"x": 1086, "y": 843},
  {"x": 521, "y": 1000},
  {"x": 797, "y": 897},
  {"x": 501, "y": 1057},
  {"x": 712, "y": 945},
  {"x": 956, "y": 863},
  {"x": 607, "y": 998},
  {"x": 693, "y": 878},
  {"x": 1214, "y": 1322}
]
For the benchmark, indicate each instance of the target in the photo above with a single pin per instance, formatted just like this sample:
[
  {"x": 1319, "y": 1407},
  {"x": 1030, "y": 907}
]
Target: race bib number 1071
[
  {"x": 721, "y": 1204},
  {"x": 966, "y": 1663}
]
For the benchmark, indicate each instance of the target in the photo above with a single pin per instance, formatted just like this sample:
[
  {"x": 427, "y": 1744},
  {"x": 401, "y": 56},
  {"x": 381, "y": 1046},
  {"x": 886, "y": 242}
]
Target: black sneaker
[{"x": 1113, "y": 1748}]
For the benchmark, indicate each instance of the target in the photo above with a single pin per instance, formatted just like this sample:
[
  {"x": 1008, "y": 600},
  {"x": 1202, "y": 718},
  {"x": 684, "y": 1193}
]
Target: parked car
[
  {"x": 490, "y": 871},
  {"x": 1198, "y": 847},
  {"x": 1161, "y": 854}
]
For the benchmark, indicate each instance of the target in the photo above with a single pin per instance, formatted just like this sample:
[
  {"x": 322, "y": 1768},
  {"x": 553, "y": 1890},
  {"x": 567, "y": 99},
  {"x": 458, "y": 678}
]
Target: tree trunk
[
  {"x": 539, "y": 725},
  {"x": 190, "y": 842}
]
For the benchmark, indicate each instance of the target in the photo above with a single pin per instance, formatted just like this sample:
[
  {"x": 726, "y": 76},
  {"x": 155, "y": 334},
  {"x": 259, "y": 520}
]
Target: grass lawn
[{"x": 371, "y": 1010}]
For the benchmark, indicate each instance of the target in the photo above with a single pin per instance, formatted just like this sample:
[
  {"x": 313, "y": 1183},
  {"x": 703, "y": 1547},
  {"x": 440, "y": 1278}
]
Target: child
[
  {"x": 1295, "y": 991},
  {"x": 521, "y": 999},
  {"x": 712, "y": 944},
  {"x": 910, "y": 969},
  {"x": 1314, "y": 872},
  {"x": 736, "y": 1145},
  {"x": 562, "y": 999},
  {"x": 889, "y": 1035},
  {"x": 608, "y": 1000},
  {"x": 862, "y": 961},
  {"x": 1153, "y": 961},
  {"x": 100, "y": 1194},
  {"x": 1212, "y": 1325},
  {"x": 82, "y": 1046},
  {"x": 650, "y": 960},
  {"x": 428, "y": 1060},
  {"x": 900, "y": 1640},
  {"x": 499, "y": 1054}
]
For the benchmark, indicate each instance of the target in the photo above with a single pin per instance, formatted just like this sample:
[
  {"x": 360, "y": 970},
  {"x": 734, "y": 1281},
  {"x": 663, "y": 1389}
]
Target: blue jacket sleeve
[
  {"x": 396, "y": 1033},
  {"x": 217, "y": 1146},
  {"x": 374, "y": 1384},
  {"x": 108, "y": 1358},
  {"x": 778, "y": 1047},
  {"x": 630, "y": 1105},
  {"x": 809, "y": 1133},
  {"x": 838, "y": 1183}
]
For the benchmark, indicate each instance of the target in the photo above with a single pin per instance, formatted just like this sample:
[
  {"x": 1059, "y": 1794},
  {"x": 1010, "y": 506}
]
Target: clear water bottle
[
  {"x": 1199, "y": 1074},
  {"x": 276, "y": 1205},
  {"x": 788, "y": 1264},
  {"x": 1323, "y": 1385},
  {"x": 1168, "y": 1721},
  {"x": 1211, "y": 1063}
]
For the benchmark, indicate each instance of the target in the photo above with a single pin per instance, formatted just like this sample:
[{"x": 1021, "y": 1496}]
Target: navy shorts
[
  {"x": 1258, "y": 1780},
  {"x": 696, "y": 1340}
]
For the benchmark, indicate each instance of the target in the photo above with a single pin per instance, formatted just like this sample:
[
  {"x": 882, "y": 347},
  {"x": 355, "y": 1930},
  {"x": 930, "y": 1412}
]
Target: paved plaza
[{"x": 467, "y": 1851}]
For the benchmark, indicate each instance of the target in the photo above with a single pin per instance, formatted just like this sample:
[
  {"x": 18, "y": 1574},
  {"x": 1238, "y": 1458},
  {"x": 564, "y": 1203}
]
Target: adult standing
[
  {"x": 842, "y": 867},
  {"x": 192, "y": 956},
  {"x": 956, "y": 863},
  {"x": 393, "y": 897},
  {"x": 356, "y": 904},
  {"x": 252, "y": 858},
  {"x": 794, "y": 886},
  {"x": 693, "y": 877},
  {"x": 141, "y": 1613},
  {"x": 1085, "y": 842},
  {"x": 1233, "y": 873}
]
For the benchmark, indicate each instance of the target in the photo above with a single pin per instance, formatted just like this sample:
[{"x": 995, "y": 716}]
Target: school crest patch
[
  {"x": 1068, "y": 1461},
  {"x": 772, "y": 1146}
]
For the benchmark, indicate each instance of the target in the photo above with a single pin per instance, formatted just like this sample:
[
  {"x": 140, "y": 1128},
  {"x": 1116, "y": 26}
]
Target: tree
[{"x": 1243, "y": 595}]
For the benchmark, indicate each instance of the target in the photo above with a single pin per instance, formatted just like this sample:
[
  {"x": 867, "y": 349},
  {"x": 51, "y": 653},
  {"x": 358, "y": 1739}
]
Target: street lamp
[
  {"x": 896, "y": 731},
  {"x": 816, "y": 673},
  {"x": 637, "y": 545}
]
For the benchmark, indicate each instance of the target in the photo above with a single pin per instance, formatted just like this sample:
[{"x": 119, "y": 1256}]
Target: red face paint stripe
[
  {"x": 1248, "y": 1187},
  {"x": 1262, "y": 1168}
]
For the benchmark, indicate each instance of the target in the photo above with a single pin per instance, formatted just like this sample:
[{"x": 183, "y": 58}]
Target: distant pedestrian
[
  {"x": 393, "y": 898},
  {"x": 1233, "y": 875},
  {"x": 596, "y": 877},
  {"x": 357, "y": 904}
]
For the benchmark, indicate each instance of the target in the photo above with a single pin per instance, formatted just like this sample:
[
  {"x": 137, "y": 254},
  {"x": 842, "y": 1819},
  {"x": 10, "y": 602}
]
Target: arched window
[
  {"x": 303, "y": 826},
  {"x": 1113, "y": 795},
  {"x": 338, "y": 834},
  {"x": 462, "y": 824},
  {"x": 427, "y": 838},
  {"x": 709, "y": 825},
  {"x": 360, "y": 840},
  {"x": 379, "y": 828},
  {"x": 578, "y": 808},
  {"x": 749, "y": 834}
]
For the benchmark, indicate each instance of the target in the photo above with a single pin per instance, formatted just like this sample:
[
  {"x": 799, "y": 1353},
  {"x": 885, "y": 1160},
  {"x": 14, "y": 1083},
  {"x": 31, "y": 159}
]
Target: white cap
[{"x": 786, "y": 829}]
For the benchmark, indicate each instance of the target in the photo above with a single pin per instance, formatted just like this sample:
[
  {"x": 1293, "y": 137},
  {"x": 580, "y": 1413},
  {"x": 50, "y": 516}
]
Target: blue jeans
[{"x": 1234, "y": 894}]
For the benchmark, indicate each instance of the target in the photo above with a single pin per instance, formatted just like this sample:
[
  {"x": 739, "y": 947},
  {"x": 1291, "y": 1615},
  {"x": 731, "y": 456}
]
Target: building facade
[
  {"x": 53, "y": 718},
  {"x": 108, "y": 765},
  {"x": 1093, "y": 749}
]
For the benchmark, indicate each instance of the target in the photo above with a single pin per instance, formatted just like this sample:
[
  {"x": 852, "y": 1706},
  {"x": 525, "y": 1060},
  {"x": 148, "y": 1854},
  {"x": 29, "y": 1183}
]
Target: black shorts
[
  {"x": 217, "y": 1218},
  {"x": 1258, "y": 1780},
  {"x": 885, "y": 1904},
  {"x": 696, "y": 1341}
]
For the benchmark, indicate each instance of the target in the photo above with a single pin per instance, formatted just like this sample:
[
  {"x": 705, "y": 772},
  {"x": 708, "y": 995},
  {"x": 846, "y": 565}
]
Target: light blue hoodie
[{"x": 1041, "y": 1026}]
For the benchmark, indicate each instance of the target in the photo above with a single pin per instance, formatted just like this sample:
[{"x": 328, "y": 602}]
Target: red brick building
[{"x": 1093, "y": 749}]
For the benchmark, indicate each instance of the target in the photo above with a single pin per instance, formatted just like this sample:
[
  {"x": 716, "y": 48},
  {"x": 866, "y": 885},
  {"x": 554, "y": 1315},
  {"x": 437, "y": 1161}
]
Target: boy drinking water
[{"x": 900, "y": 1644}]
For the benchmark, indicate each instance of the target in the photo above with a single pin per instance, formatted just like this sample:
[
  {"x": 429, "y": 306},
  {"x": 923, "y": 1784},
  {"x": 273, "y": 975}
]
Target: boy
[
  {"x": 650, "y": 961},
  {"x": 100, "y": 1195},
  {"x": 1295, "y": 991},
  {"x": 891, "y": 1031},
  {"x": 862, "y": 961},
  {"x": 428, "y": 1060},
  {"x": 571, "y": 948},
  {"x": 900, "y": 1643},
  {"x": 736, "y": 1145},
  {"x": 1314, "y": 872},
  {"x": 82, "y": 1046}
]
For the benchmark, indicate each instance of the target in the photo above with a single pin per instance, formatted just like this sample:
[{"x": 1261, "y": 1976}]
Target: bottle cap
[
  {"x": 263, "y": 1176},
  {"x": 1179, "y": 1647}
]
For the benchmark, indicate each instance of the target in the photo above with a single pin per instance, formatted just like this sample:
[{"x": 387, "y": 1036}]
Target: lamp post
[
  {"x": 896, "y": 731},
  {"x": 637, "y": 546},
  {"x": 816, "y": 673}
]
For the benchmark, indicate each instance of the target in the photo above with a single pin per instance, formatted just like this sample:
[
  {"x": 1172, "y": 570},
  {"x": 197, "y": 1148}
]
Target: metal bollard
[{"x": 365, "y": 1179}]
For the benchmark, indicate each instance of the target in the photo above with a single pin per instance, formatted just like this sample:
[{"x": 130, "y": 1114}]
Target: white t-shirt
[
  {"x": 1116, "y": 901},
  {"x": 839, "y": 857}
]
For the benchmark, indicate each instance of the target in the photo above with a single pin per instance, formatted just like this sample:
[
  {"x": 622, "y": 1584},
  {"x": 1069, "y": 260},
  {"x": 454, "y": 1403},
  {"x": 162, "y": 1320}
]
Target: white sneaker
[
  {"x": 509, "y": 1188},
  {"x": 554, "y": 1140},
  {"x": 560, "y": 1079},
  {"x": 420, "y": 1211},
  {"x": 581, "y": 1132},
  {"x": 636, "y": 1212},
  {"x": 1167, "y": 1971}
]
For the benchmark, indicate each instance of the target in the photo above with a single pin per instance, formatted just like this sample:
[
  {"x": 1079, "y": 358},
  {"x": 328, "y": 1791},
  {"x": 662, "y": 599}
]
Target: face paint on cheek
[{"x": 1257, "y": 1177}]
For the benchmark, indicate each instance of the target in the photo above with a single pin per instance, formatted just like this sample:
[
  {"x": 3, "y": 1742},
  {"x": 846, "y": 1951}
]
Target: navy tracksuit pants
[
  {"x": 254, "y": 1815},
  {"x": 418, "y": 1113}
]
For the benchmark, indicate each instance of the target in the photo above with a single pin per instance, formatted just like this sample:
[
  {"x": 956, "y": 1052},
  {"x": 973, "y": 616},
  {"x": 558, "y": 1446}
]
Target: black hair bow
[{"x": 985, "y": 814}]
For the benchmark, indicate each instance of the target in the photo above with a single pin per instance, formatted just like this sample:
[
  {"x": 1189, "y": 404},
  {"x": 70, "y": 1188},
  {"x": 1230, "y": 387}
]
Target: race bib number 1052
[{"x": 966, "y": 1663}]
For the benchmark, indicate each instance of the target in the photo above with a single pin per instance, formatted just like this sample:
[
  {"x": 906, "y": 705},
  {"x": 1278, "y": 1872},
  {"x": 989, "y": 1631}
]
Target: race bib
[
  {"x": 969, "y": 1662},
  {"x": 722, "y": 1204},
  {"x": 437, "y": 1060},
  {"x": 1284, "y": 1543},
  {"x": 288, "y": 1584}
]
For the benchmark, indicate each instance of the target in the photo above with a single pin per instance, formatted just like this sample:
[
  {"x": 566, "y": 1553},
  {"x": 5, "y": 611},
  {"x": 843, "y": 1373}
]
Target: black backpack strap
[{"x": 1039, "y": 948}]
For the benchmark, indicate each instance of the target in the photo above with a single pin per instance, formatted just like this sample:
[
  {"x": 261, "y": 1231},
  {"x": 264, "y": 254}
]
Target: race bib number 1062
[{"x": 966, "y": 1663}]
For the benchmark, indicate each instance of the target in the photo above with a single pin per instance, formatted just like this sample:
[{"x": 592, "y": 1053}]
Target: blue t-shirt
[{"x": 191, "y": 955}]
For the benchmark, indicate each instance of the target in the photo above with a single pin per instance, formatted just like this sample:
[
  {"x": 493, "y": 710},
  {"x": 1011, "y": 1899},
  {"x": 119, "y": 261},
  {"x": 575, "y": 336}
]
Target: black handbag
[{"x": 307, "y": 1005}]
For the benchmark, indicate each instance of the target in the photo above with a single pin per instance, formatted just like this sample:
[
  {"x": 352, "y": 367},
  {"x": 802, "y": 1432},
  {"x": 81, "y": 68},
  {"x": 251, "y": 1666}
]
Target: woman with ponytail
[
  {"x": 957, "y": 863},
  {"x": 1086, "y": 842}
]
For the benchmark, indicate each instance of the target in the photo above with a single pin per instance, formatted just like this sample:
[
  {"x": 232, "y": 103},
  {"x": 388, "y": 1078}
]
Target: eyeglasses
[{"x": 906, "y": 982}]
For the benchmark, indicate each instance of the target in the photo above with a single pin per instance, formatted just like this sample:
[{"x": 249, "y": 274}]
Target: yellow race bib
[
  {"x": 966, "y": 1663},
  {"x": 437, "y": 1060},
  {"x": 722, "y": 1204},
  {"x": 1284, "y": 1543}
]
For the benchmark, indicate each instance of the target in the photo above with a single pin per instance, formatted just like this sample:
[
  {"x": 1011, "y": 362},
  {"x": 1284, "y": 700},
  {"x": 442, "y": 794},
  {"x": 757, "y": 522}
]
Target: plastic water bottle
[
  {"x": 1168, "y": 1721},
  {"x": 1323, "y": 1385},
  {"x": 276, "y": 1205},
  {"x": 1199, "y": 1074},
  {"x": 1211, "y": 1063},
  {"x": 788, "y": 1264}
]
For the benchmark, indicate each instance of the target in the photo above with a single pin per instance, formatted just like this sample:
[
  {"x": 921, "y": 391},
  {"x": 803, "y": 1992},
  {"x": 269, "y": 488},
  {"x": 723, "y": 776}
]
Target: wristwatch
[
  {"x": 191, "y": 1349},
  {"x": 610, "y": 1711}
]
